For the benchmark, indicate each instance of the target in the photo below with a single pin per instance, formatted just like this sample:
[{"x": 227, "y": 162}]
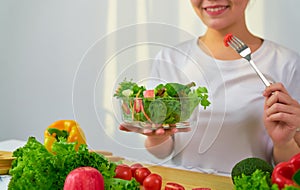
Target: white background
[{"x": 44, "y": 44}]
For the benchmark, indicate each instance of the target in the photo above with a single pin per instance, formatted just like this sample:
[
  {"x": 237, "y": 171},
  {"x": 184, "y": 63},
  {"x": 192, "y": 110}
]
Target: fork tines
[
  {"x": 245, "y": 52},
  {"x": 240, "y": 47},
  {"x": 237, "y": 44}
]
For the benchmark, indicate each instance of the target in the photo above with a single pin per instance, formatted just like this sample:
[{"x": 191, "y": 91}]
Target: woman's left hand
[{"x": 281, "y": 115}]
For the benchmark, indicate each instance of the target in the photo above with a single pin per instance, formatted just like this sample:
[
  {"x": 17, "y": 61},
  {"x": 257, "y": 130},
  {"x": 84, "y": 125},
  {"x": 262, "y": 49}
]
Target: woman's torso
[{"x": 231, "y": 128}]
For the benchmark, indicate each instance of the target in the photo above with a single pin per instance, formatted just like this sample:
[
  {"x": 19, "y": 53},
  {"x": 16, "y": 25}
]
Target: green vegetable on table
[
  {"x": 248, "y": 166},
  {"x": 254, "y": 173},
  {"x": 258, "y": 180},
  {"x": 36, "y": 168},
  {"x": 121, "y": 184},
  {"x": 168, "y": 103}
]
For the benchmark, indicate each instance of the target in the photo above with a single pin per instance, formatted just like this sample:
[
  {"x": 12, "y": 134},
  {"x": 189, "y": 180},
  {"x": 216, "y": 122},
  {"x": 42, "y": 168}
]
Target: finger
[
  {"x": 279, "y": 97},
  {"x": 160, "y": 131},
  {"x": 272, "y": 99},
  {"x": 276, "y": 87},
  {"x": 171, "y": 131},
  {"x": 290, "y": 120},
  {"x": 273, "y": 88},
  {"x": 147, "y": 131},
  {"x": 280, "y": 108}
]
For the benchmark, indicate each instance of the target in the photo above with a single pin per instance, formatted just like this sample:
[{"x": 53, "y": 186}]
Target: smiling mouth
[{"x": 216, "y": 9}]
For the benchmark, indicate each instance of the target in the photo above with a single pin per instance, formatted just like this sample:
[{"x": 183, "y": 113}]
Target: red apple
[{"x": 84, "y": 178}]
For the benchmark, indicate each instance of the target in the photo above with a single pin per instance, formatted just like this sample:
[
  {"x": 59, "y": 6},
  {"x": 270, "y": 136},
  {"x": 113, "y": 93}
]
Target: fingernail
[
  {"x": 175, "y": 130},
  {"x": 160, "y": 131},
  {"x": 147, "y": 131}
]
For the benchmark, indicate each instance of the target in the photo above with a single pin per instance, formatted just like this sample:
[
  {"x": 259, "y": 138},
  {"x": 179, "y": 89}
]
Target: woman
[{"x": 245, "y": 119}]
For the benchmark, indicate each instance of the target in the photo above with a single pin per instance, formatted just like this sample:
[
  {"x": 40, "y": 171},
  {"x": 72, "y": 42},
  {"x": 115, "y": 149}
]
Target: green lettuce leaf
[{"x": 36, "y": 168}]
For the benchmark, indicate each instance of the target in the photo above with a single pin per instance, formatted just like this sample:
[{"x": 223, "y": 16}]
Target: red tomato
[
  {"x": 123, "y": 171},
  {"x": 141, "y": 173},
  {"x": 149, "y": 94},
  {"x": 138, "y": 103},
  {"x": 84, "y": 178},
  {"x": 152, "y": 182},
  {"x": 134, "y": 167},
  {"x": 173, "y": 186}
]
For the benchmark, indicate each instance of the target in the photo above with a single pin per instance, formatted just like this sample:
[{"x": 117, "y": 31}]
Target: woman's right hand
[
  {"x": 158, "y": 142},
  {"x": 160, "y": 132}
]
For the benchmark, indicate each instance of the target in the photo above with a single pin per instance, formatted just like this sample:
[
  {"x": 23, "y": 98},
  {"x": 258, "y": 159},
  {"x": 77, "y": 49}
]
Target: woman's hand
[
  {"x": 159, "y": 142},
  {"x": 148, "y": 132},
  {"x": 281, "y": 117}
]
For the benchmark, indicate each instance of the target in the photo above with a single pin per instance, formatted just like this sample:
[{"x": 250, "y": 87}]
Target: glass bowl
[{"x": 150, "y": 113}]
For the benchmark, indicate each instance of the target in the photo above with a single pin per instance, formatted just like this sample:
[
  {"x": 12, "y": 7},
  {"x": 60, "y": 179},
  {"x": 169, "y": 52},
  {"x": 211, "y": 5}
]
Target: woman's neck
[{"x": 212, "y": 43}]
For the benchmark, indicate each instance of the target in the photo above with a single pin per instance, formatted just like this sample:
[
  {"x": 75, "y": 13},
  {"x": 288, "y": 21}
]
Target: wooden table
[
  {"x": 188, "y": 179},
  {"x": 191, "y": 179}
]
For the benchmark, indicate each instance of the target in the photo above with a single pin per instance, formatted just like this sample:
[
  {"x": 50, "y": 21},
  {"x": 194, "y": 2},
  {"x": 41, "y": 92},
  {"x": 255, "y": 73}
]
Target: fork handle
[{"x": 261, "y": 76}]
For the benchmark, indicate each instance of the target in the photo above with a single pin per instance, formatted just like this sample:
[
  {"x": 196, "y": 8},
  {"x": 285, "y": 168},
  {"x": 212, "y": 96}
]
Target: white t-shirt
[{"x": 231, "y": 128}]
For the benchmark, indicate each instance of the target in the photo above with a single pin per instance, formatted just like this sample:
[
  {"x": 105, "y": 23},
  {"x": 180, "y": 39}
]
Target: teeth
[{"x": 215, "y": 9}]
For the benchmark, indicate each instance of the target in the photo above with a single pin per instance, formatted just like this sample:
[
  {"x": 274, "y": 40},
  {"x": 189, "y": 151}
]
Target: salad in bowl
[{"x": 167, "y": 105}]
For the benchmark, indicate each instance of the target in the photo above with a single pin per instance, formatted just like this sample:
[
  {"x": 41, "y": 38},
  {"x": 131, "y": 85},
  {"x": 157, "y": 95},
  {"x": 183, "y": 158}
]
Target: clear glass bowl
[{"x": 152, "y": 113}]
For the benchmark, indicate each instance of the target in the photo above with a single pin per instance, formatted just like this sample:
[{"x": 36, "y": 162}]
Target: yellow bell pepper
[{"x": 69, "y": 129}]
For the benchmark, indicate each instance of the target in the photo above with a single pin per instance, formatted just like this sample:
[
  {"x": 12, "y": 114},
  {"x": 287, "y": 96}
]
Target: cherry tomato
[
  {"x": 152, "y": 182},
  {"x": 173, "y": 186},
  {"x": 123, "y": 171},
  {"x": 134, "y": 167},
  {"x": 141, "y": 173}
]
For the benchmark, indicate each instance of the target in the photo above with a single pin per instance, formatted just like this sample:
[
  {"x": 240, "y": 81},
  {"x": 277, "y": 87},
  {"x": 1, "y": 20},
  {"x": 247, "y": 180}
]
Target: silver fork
[{"x": 245, "y": 52}]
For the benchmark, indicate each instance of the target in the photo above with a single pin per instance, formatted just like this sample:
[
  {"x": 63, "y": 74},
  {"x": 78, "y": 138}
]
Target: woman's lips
[{"x": 215, "y": 10}]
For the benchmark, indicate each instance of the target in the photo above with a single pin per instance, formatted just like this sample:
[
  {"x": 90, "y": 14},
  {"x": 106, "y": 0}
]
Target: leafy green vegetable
[
  {"x": 32, "y": 168},
  {"x": 177, "y": 90},
  {"x": 36, "y": 168},
  {"x": 120, "y": 184},
  {"x": 255, "y": 173},
  {"x": 248, "y": 166},
  {"x": 289, "y": 188},
  {"x": 257, "y": 180},
  {"x": 131, "y": 88},
  {"x": 173, "y": 102}
]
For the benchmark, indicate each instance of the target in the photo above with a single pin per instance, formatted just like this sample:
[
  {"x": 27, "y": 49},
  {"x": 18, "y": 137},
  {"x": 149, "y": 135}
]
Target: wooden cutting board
[
  {"x": 190, "y": 179},
  {"x": 5, "y": 161}
]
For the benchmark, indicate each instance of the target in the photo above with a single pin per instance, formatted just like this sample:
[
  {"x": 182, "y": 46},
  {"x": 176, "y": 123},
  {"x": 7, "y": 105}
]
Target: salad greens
[
  {"x": 36, "y": 168},
  {"x": 257, "y": 180},
  {"x": 170, "y": 103}
]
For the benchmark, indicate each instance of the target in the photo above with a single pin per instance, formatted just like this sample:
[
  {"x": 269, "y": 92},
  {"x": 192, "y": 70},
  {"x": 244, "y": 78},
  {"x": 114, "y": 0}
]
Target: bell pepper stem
[{"x": 59, "y": 133}]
